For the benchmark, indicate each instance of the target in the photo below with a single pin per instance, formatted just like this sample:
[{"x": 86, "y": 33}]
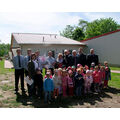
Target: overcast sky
[{"x": 48, "y": 22}]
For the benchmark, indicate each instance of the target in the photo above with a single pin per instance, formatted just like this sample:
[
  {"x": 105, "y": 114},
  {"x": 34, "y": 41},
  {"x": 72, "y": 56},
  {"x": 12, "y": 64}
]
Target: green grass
[
  {"x": 4, "y": 70},
  {"x": 6, "y": 87},
  {"x": 115, "y": 82},
  {"x": 115, "y": 68}
]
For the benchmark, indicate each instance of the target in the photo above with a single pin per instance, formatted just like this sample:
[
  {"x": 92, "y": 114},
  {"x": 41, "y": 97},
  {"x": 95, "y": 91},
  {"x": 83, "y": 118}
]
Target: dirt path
[{"x": 109, "y": 98}]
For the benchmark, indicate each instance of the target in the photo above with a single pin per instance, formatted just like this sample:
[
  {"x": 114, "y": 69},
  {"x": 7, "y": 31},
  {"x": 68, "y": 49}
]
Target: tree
[
  {"x": 83, "y": 24},
  {"x": 98, "y": 27},
  {"x": 4, "y": 49},
  {"x": 78, "y": 34},
  {"x": 67, "y": 32}
]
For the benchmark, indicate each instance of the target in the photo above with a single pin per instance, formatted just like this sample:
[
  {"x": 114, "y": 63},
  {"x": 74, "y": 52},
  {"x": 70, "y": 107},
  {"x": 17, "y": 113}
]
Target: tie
[
  {"x": 19, "y": 61},
  {"x": 28, "y": 58}
]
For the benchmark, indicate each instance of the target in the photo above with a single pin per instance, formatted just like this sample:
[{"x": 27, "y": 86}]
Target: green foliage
[
  {"x": 78, "y": 34},
  {"x": 98, "y": 27},
  {"x": 68, "y": 31},
  {"x": 86, "y": 29},
  {"x": 4, "y": 49}
]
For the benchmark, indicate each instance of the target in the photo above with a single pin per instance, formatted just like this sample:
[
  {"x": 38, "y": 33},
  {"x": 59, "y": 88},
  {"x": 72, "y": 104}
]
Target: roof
[
  {"x": 105, "y": 34},
  {"x": 34, "y": 38}
]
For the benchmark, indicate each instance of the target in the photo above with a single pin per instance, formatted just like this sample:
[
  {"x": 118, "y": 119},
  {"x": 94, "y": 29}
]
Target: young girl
[
  {"x": 107, "y": 74},
  {"x": 60, "y": 80},
  {"x": 88, "y": 81},
  {"x": 64, "y": 83},
  {"x": 70, "y": 83},
  {"x": 102, "y": 73},
  {"x": 56, "y": 84},
  {"x": 96, "y": 79}
]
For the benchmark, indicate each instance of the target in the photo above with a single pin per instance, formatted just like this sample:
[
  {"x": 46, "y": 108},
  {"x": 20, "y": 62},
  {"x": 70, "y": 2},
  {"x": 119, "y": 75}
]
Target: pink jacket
[
  {"x": 96, "y": 77},
  {"x": 64, "y": 81},
  {"x": 70, "y": 82}
]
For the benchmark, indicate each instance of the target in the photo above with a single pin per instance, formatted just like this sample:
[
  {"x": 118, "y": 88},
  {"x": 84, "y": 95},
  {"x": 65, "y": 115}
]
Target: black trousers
[
  {"x": 19, "y": 73},
  {"x": 26, "y": 73}
]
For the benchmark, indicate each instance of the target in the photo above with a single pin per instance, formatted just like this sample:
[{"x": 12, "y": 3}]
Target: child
[
  {"x": 50, "y": 73},
  {"x": 107, "y": 74},
  {"x": 64, "y": 83},
  {"x": 60, "y": 80},
  {"x": 48, "y": 87},
  {"x": 88, "y": 81},
  {"x": 79, "y": 82},
  {"x": 96, "y": 79},
  {"x": 70, "y": 83},
  {"x": 56, "y": 84},
  {"x": 38, "y": 83},
  {"x": 102, "y": 74}
]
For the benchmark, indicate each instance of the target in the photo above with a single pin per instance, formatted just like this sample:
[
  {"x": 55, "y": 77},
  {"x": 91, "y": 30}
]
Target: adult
[
  {"x": 66, "y": 60},
  {"x": 74, "y": 58},
  {"x": 60, "y": 60},
  {"x": 38, "y": 60},
  {"x": 51, "y": 62},
  {"x": 32, "y": 66},
  {"x": 92, "y": 58},
  {"x": 81, "y": 57},
  {"x": 18, "y": 62},
  {"x": 27, "y": 59}
]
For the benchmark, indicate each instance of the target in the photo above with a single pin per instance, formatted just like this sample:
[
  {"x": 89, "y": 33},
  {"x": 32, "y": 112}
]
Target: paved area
[
  {"x": 115, "y": 71},
  {"x": 8, "y": 64}
]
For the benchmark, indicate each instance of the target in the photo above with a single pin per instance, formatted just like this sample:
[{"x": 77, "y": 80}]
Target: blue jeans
[
  {"x": 47, "y": 96},
  {"x": 79, "y": 91}
]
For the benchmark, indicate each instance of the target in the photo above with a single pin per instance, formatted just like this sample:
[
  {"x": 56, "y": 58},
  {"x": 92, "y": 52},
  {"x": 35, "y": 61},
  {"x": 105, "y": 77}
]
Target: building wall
[
  {"x": 107, "y": 47},
  {"x": 45, "y": 48}
]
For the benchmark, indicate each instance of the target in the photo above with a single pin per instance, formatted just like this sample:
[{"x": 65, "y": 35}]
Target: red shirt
[{"x": 96, "y": 76}]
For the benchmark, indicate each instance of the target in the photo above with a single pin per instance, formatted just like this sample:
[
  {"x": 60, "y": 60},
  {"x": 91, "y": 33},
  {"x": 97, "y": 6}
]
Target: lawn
[{"x": 115, "y": 68}]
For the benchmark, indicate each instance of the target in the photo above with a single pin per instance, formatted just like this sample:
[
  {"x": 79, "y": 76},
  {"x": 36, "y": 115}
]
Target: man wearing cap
[
  {"x": 92, "y": 58},
  {"x": 27, "y": 59},
  {"x": 81, "y": 57},
  {"x": 18, "y": 62}
]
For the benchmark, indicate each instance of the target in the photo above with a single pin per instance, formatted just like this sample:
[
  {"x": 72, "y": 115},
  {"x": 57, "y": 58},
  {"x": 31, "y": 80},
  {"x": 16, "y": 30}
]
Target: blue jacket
[
  {"x": 48, "y": 85},
  {"x": 16, "y": 64},
  {"x": 79, "y": 81}
]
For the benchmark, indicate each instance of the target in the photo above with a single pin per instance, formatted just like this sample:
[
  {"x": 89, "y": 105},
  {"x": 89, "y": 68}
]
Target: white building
[
  {"x": 43, "y": 42},
  {"x": 107, "y": 46}
]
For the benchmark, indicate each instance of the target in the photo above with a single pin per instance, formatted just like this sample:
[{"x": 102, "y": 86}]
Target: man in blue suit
[{"x": 18, "y": 62}]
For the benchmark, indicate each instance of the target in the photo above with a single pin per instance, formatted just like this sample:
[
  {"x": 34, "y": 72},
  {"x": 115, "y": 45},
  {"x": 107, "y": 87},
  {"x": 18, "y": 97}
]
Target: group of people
[{"x": 71, "y": 74}]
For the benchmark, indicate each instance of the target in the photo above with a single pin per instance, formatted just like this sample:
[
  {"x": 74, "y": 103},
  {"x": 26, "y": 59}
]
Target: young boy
[
  {"x": 107, "y": 74},
  {"x": 79, "y": 82},
  {"x": 48, "y": 87}
]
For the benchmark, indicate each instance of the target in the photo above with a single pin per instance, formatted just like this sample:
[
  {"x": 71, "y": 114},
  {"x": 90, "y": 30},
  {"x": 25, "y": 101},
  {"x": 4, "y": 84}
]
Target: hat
[
  {"x": 92, "y": 64},
  {"x": 70, "y": 71},
  {"x": 87, "y": 71},
  {"x": 73, "y": 66},
  {"x": 47, "y": 73},
  {"x": 79, "y": 65},
  {"x": 69, "y": 68}
]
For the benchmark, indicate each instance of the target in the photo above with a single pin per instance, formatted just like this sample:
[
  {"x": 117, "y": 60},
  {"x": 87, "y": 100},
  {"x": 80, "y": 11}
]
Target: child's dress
[
  {"x": 55, "y": 81},
  {"x": 70, "y": 86},
  {"x": 64, "y": 85},
  {"x": 88, "y": 82}
]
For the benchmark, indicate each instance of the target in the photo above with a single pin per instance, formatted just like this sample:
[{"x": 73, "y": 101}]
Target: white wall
[{"x": 107, "y": 47}]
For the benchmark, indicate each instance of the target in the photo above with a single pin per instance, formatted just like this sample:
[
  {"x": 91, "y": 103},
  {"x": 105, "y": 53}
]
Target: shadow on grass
[{"x": 69, "y": 101}]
